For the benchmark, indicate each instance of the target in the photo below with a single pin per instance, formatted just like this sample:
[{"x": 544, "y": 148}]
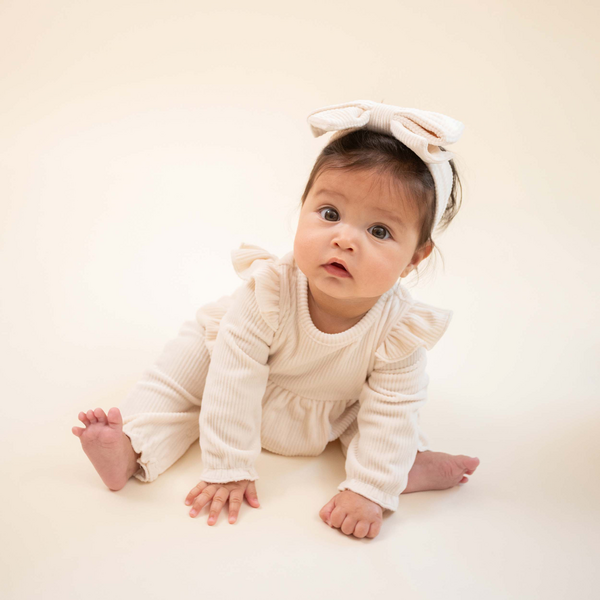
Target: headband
[{"x": 421, "y": 130}]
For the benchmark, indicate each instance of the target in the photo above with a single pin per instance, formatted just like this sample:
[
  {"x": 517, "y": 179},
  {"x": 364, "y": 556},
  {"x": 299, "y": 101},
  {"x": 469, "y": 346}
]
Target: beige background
[{"x": 141, "y": 141}]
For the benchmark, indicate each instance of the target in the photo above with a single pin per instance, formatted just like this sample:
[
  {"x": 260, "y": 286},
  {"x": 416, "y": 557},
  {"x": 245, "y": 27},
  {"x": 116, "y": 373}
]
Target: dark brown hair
[{"x": 364, "y": 149}]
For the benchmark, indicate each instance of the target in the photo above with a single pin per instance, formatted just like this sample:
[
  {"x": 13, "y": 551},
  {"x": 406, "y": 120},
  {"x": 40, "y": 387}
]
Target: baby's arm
[
  {"x": 382, "y": 452},
  {"x": 230, "y": 417}
]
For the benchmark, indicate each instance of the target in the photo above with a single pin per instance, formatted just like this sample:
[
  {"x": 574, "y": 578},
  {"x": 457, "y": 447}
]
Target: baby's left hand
[{"x": 354, "y": 514}]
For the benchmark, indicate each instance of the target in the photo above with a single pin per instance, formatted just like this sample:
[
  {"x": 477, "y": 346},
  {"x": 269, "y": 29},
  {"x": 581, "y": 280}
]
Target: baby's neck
[{"x": 330, "y": 315}]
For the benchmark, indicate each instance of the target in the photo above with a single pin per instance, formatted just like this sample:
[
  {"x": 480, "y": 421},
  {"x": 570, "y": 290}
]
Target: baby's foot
[
  {"x": 107, "y": 446},
  {"x": 439, "y": 471}
]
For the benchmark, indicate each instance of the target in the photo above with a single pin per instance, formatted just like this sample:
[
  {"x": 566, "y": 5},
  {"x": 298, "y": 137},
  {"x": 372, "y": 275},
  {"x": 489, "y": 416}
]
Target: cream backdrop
[{"x": 140, "y": 142}]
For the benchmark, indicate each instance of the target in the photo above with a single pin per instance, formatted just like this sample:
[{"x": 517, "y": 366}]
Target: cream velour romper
[{"x": 252, "y": 371}]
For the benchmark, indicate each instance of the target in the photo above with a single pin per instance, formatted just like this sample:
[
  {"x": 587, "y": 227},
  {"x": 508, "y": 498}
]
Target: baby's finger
[
  {"x": 236, "y": 498},
  {"x": 325, "y": 512},
  {"x": 374, "y": 529},
  {"x": 251, "y": 495},
  {"x": 204, "y": 497},
  {"x": 217, "y": 504},
  {"x": 195, "y": 491},
  {"x": 348, "y": 525},
  {"x": 337, "y": 517},
  {"x": 361, "y": 529}
]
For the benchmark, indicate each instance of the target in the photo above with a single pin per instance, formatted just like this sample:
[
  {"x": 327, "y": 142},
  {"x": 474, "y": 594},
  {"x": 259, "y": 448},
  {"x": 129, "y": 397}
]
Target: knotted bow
[{"x": 422, "y": 131}]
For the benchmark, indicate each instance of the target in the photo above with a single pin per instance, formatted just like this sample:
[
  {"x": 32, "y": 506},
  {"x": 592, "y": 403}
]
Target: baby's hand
[
  {"x": 354, "y": 514},
  {"x": 234, "y": 490}
]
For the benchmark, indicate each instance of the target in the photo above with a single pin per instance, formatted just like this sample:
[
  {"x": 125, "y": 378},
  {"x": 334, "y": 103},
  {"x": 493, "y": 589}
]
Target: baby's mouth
[{"x": 337, "y": 269}]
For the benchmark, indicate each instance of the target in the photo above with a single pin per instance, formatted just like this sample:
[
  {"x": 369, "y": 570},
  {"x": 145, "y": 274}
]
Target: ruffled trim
[
  {"x": 252, "y": 262},
  {"x": 420, "y": 325},
  {"x": 209, "y": 316},
  {"x": 227, "y": 475},
  {"x": 249, "y": 262},
  {"x": 385, "y": 500}
]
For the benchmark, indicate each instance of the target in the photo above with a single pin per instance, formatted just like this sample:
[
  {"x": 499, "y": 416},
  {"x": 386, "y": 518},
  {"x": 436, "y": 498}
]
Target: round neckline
[{"x": 344, "y": 337}]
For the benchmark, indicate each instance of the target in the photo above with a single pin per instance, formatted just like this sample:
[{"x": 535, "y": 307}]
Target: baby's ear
[{"x": 422, "y": 253}]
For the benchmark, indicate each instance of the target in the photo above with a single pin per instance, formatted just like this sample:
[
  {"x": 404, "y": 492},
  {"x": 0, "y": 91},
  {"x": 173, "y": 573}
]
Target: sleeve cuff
[
  {"x": 388, "y": 501},
  {"x": 227, "y": 475}
]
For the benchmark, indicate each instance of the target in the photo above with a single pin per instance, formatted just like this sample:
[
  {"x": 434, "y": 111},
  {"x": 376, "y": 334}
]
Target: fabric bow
[{"x": 422, "y": 131}]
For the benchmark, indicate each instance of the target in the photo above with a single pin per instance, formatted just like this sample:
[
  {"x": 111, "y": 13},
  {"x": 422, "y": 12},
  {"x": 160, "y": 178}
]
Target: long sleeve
[
  {"x": 383, "y": 449},
  {"x": 382, "y": 452},
  {"x": 230, "y": 416}
]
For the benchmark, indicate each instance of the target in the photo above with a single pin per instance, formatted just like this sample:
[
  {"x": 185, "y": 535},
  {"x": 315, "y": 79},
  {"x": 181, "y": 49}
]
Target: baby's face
[{"x": 344, "y": 217}]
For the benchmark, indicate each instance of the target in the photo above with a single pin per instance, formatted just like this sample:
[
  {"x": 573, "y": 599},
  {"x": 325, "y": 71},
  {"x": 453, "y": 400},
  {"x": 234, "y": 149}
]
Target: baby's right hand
[{"x": 219, "y": 492}]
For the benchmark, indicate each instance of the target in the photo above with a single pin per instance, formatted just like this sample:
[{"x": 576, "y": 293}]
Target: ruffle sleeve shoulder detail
[
  {"x": 419, "y": 325},
  {"x": 255, "y": 264}
]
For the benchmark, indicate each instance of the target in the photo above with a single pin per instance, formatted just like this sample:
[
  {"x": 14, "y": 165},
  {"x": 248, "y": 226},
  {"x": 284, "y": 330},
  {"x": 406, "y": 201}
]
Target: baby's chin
[
  {"x": 344, "y": 291},
  {"x": 357, "y": 286}
]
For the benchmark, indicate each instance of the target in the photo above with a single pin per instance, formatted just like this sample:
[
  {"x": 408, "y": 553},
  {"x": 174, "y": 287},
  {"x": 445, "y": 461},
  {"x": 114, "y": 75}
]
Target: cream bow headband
[{"x": 422, "y": 131}]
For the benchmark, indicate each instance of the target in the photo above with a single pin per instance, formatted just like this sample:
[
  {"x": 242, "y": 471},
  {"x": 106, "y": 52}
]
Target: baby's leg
[
  {"x": 430, "y": 470},
  {"x": 160, "y": 415}
]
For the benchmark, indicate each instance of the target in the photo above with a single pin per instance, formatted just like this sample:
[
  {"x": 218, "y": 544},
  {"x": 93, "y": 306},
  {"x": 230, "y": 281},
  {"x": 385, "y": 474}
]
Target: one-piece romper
[{"x": 252, "y": 371}]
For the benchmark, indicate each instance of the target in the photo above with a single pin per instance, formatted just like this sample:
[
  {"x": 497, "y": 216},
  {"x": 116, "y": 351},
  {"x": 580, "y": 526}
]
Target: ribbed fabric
[
  {"x": 265, "y": 376},
  {"x": 160, "y": 414}
]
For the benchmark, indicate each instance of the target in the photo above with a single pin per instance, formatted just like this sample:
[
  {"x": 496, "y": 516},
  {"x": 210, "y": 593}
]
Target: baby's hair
[{"x": 367, "y": 150}]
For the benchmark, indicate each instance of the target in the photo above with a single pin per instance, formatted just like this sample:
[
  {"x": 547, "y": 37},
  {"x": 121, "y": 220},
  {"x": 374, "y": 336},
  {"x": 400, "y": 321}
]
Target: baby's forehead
[
  {"x": 377, "y": 193},
  {"x": 370, "y": 182}
]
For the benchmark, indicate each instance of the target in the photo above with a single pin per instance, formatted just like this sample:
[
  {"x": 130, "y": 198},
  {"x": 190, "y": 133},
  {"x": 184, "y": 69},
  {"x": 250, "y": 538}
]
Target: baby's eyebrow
[{"x": 391, "y": 215}]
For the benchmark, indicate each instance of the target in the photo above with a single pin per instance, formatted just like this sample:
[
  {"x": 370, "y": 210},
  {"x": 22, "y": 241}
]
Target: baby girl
[{"x": 323, "y": 343}]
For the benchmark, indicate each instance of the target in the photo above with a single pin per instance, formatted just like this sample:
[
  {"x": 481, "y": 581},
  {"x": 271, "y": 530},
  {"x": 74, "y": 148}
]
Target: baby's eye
[
  {"x": 329, "y": 210},
  {"x": 385, "y": 229}
]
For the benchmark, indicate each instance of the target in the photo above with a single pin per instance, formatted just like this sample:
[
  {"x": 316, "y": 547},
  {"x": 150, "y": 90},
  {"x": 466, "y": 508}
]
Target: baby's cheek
[
  {"x": 303, "y": 252},
  {"x": 309, "y": 257},
  {"x": 379, "y": 280}
]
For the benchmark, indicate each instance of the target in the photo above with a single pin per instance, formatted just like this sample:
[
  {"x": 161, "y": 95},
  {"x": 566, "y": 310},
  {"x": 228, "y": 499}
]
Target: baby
[{"x": 324, "y": 343}]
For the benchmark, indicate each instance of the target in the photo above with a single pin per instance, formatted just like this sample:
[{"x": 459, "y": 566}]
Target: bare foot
[
  {"x": 107, "y": 446},
  {"x": 439, "y": 471}
]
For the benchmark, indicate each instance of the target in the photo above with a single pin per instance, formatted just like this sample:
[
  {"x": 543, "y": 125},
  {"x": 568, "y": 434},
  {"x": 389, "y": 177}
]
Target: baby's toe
[
  {"x": 114, "y": 417},
  {"x": 77, "y": 431},
  {"x": 470, "y": 464},
  {"x": 100, "y": 416},
  {"x": 92, "y": 417},
  {"x": 83, "y": 418}
]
